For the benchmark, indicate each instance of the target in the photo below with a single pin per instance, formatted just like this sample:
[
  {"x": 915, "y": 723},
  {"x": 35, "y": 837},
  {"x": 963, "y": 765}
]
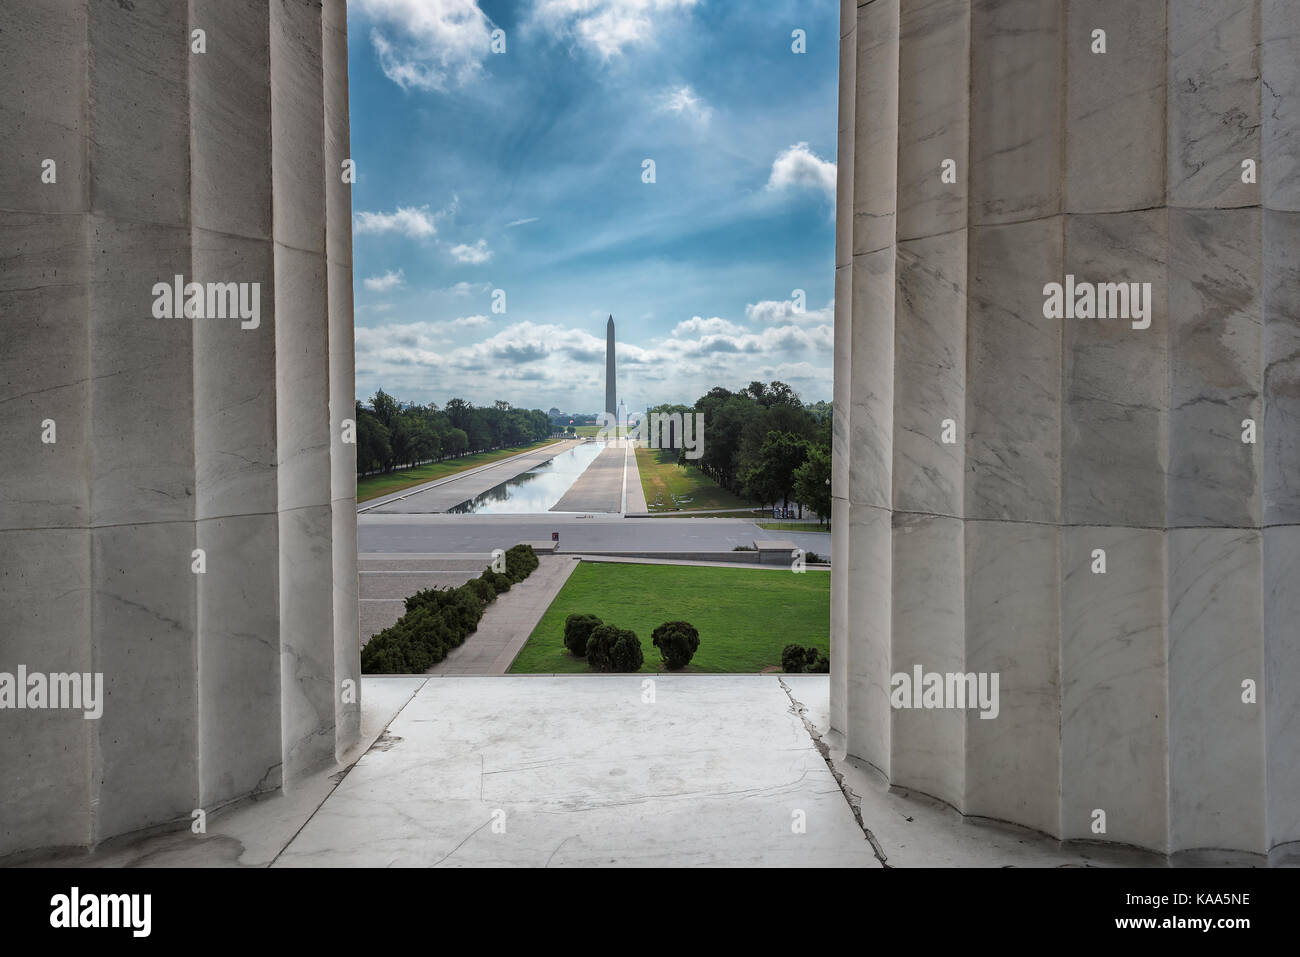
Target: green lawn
[
  {"x": 794, "y": 526},
  {"x": 744, "y": 616},
  {"x": 662, "y": 477},
  {"x": 373, "y": 486}
]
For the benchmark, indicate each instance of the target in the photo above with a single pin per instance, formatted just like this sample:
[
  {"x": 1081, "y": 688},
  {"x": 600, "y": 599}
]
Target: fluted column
[
  {"x": 176, "y": 499},
  {"x": 1102, "y": 533}
]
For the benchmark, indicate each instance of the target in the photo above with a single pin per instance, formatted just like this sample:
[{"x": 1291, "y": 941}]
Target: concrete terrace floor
[{"x": 582, "y": 770}]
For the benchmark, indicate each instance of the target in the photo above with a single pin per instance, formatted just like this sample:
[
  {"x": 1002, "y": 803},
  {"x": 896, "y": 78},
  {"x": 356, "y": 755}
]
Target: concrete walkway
[
  {"x": 508, "y": 621},
  {"x": 600, "y": 487},
  {"x": 444, "y": 493},
  {"x": 634, "y": 492}
]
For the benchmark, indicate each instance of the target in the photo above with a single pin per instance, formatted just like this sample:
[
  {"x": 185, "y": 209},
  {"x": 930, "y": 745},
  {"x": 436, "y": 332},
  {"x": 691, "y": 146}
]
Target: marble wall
[
  {"x": 171, "y": 435},
  {"x": 990, "y": 459}
]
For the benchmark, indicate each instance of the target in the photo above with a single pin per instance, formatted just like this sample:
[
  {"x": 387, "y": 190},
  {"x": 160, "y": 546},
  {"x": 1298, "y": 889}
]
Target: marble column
[
  {"x": 1078, "y": 505},
  {"x": 176, "y": 511}
]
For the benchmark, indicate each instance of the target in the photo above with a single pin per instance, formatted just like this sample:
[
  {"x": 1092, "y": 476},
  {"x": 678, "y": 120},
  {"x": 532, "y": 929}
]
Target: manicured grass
[
  {"x": 744, "y": 616},
  {"x": 373, "y": 486},
  {"x": 591, "y": 430},
  {"x": 794, "y": 526},
  {"x": 662, "y": 477},
  {"x": 752, "y": 514}
]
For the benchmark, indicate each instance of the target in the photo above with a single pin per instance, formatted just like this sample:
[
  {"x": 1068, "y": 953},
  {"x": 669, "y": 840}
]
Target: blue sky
[{"x": 523, "y": 171}]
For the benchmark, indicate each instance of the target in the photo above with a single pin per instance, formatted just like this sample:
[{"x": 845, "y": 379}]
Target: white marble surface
[
  {"x": 1013, "y": 374},
  {"x": 930, "y": 375},
  {"x": 1115, "y": 110},
  {"x": 1216, "y": 740},
  {"x": 928, "y": 746},
  {"x": 586, "y": 773},
  {"x": 1215, "y": 371},
  {"x": 1016, "y": 110},
  {"x": 933, "y": 115},
  {"x": 1013, "y": 583},
  {"x": 1113, "y": 378},
  {"x": 1114, "y": 705},
  {"x": 1214, "y": 102},
  {"x": 875, "y": 157}
]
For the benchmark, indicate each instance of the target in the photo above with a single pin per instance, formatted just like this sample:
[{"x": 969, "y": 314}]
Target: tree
[
  {"x": 812, "y": 481},
  {"x": 458, "y": 412},
  {"x": 386, "y": 408},
  {"x": 771, "y": 477}
]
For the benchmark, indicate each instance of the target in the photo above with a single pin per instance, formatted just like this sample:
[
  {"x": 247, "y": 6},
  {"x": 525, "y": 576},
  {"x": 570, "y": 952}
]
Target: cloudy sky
[{"x": 522, "y": 172}]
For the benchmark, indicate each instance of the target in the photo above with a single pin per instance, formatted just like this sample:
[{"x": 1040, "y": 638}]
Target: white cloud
[
  {"x": 475, "y": 255},
  {"x": 684, "y": 101},
  {"x": 607, "y": 27},
  {"x": 427, "y": 44},
  {"x": 389, "y": 280},
  {"x": 407, "y": 220},
  {"x": 697, "y": 326},
  {"x": 522, "y": 222},
  {"x": 772, "y": 310},
  {"x": 799, "y": 167},
  {"x": 468, "y": 288}
]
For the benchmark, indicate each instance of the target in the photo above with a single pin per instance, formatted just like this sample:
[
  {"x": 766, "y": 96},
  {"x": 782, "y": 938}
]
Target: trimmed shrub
[
  {"x": 796, "y": 659},
  {"x": 577, "y": 629},
  {"x": 485, "y": 590},
  {"x": 500, "y": 581},
  {"x": 793, "y": 658},
  {"x": 521, "y": 561},
  {"x": 677, "y": 642},
  {"x": 614, "y": 649}
]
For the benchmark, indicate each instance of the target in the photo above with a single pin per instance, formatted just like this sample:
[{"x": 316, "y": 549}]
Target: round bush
[
  {"x": 677, "y": 642},
  {"x": 793, "y": 658},
  {"x": 820, "y": 664},
  {"x": 577, "y": 629},
  {"x": 614, "y": 649}
]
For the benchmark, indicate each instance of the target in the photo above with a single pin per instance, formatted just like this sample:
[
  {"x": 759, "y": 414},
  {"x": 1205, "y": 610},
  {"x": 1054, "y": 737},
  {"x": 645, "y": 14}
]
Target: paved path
[
  {"x": 479, "y": 534},
  {"x": 600, "y": 487},
  {"x": 507, "y": 622},
  {"x": 444, "y": 493},
  {"x": 634, "y": 494}
]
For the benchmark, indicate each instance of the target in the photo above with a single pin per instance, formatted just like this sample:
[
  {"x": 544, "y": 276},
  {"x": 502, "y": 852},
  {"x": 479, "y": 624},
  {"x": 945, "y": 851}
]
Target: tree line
[
  {"x": 765, "y": 444},
  {"x": 393, "y": 435}
]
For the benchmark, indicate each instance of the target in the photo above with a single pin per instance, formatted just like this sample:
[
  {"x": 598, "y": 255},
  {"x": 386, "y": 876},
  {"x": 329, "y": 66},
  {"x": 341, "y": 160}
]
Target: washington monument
[{"x": 611, "y": 393}]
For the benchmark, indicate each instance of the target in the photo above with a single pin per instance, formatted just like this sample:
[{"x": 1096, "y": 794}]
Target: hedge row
[{"x": 440, "y": 619}]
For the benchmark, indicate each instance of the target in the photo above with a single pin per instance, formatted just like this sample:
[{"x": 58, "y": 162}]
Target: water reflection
[{"x": 537, "y": 489}]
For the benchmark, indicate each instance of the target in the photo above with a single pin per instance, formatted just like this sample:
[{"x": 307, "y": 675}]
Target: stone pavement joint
[{"x": 855, "y": 804}]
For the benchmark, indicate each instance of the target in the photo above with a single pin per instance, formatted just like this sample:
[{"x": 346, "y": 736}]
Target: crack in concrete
[{"x": 851, "y": 797}]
